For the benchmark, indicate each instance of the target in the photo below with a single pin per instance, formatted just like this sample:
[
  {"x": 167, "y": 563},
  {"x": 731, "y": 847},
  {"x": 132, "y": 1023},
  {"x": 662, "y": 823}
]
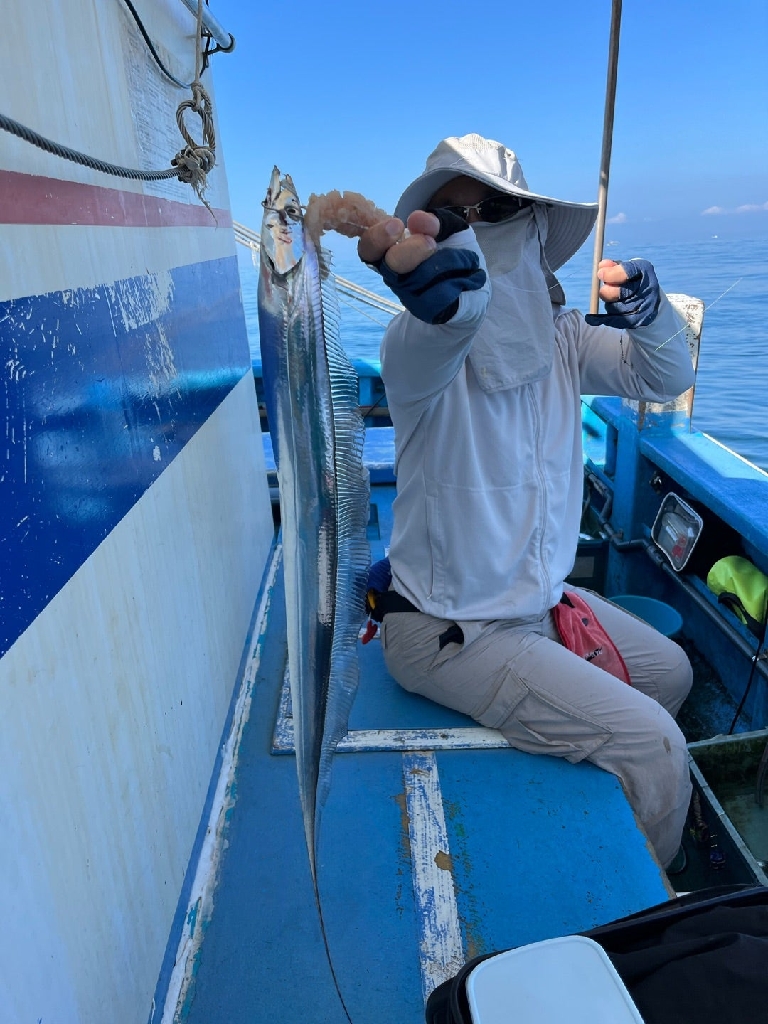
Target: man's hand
[
  {"x": 427, "y": 280},
  {"x": 401, "y": 254},
  {"x": 630, "y": 292}
]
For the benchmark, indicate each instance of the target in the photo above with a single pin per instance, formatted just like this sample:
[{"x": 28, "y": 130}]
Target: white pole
[{"x": 605, "y": 159}]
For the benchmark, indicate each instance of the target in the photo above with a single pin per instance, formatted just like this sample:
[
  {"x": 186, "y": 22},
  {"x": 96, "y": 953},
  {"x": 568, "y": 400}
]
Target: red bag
[{"x": 581, "y": 633}]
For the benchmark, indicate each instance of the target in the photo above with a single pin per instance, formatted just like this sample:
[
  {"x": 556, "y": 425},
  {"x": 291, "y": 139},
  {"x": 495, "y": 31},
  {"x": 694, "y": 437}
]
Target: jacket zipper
[{"x": 544, "y": 577}]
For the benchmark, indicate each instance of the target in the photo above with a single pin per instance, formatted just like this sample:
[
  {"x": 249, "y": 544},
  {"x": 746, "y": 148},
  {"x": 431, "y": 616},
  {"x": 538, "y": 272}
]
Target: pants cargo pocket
[{"x": 540, "y": 723}]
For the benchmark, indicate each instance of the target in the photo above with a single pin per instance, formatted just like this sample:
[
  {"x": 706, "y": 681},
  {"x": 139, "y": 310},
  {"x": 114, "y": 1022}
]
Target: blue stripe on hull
[{"x": 101, "y": 389}]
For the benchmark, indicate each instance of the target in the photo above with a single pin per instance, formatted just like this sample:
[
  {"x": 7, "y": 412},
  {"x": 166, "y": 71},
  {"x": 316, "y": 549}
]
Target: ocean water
[{"x": 731, "y": 277}]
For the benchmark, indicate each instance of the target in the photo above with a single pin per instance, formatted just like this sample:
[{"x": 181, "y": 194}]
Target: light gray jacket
[{"x": 490, "y": 483}]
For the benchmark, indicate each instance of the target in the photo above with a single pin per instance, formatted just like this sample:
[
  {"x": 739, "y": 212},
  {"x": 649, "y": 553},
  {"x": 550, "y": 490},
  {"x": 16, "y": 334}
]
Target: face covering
[{"x": 515, "y": 344}]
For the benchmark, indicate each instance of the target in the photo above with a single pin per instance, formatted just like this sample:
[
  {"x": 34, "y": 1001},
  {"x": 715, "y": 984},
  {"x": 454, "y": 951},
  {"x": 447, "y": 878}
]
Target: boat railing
[{"x": 220, "y": 35}]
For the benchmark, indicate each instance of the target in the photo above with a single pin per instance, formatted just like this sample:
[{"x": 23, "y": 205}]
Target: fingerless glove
[
  {"x": 432, "y": 291},
  {"x": 638, "y": 301}
]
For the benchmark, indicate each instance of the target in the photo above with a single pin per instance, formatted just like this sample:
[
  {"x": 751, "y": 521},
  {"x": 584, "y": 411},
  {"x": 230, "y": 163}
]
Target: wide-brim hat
[{"x": 497, "y": 166}]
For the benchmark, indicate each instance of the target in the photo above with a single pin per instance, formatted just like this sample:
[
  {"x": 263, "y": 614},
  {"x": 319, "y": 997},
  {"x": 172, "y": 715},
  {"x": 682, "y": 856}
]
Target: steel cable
[{"x": 191, "y": 165}]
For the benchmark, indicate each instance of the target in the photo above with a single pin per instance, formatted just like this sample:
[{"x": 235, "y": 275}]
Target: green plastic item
[{"x": 742, "y": 588}]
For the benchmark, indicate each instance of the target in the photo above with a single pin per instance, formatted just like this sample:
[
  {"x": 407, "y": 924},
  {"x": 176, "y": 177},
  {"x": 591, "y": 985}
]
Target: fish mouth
[{"x": 282, "y": 226}]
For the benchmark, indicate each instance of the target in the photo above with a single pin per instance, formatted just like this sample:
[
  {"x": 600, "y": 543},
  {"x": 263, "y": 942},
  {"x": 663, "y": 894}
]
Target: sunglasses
[{"x": 492, "y": 210}]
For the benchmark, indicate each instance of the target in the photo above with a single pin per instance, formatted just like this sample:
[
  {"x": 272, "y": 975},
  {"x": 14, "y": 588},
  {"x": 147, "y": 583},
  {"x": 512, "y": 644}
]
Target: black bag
[{"x": 699, "y": 959}]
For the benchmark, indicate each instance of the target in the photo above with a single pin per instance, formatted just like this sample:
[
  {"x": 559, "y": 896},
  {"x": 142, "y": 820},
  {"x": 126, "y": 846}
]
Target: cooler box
[{"x": 567, "y": 979}]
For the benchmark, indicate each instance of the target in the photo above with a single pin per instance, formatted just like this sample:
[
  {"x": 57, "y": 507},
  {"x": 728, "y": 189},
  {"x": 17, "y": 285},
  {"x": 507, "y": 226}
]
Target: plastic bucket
[{"x": 661, "y": 616}]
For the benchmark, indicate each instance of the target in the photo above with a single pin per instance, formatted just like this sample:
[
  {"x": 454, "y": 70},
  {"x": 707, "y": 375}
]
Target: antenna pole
[{"x": 605, "y": 158}]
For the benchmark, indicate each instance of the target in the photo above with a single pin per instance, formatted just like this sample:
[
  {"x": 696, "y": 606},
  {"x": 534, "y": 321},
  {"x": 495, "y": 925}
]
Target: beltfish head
[{"x": 282, "y": 226}]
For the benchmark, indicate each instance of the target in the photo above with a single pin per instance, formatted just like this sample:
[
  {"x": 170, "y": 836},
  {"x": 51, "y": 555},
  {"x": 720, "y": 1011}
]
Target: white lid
[{"x": 568, "y": 979}]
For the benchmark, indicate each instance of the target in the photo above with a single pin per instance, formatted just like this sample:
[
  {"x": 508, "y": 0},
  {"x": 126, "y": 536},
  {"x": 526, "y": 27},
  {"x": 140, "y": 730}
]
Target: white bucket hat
[{"x": 497, "y": 166}]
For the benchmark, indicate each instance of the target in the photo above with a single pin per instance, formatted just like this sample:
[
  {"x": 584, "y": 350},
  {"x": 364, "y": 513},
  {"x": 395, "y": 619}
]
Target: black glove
[
  {"x": 638, "y": 301},
  {"x": 450, "y": 223}
]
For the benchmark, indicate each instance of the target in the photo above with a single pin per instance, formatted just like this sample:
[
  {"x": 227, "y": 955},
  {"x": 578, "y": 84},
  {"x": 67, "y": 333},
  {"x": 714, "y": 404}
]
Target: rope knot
[
  {"x": 197, "y": 159},
  {"x": 193, "y": 164}
]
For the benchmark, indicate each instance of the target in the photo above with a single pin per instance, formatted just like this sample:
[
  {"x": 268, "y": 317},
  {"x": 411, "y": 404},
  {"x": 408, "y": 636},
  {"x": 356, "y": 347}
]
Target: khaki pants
[{"x": 518, "y": 678}]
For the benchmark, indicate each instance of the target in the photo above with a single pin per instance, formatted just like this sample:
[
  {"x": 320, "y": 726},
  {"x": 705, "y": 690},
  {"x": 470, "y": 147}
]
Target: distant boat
[{"x": 612, "y": 241}]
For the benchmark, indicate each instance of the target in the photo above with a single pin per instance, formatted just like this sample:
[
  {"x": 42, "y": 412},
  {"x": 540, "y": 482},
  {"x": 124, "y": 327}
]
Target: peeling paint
[
  {"x": 161, "y": 368},
  {"x": 441, "y": 952},
  {"x": 89, "y": 401},
  {"x": 401, "y": 801},
  {"x": 471, "y": 912},
  {"x": 143, "y": 300},
  {"x": 364, "y": 740}
]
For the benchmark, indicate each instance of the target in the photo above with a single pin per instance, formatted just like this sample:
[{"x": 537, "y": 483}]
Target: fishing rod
[{"x": 605, "y": 158}]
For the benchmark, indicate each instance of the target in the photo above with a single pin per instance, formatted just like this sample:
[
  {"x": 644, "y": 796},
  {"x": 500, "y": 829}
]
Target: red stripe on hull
[{"x": 33, "y": 199}]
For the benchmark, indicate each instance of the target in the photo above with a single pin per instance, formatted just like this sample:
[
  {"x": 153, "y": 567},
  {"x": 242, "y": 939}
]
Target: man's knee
[
  {"x": 678, "y": 682},
  {"x": 647, "y": 746},
  {"x": 665, "y": 674}
]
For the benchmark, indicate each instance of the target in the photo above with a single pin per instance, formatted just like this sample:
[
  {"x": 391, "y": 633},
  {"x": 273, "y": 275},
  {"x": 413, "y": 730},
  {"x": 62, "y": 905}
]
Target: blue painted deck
[{"x": 537, "y": 848}]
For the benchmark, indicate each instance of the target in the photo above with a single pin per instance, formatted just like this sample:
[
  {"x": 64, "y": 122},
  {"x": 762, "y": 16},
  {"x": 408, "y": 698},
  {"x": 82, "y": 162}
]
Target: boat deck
[{"x": 438, "y": 842}]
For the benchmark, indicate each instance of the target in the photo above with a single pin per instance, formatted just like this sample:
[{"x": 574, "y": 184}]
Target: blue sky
[{"x": 355, "y": 95}]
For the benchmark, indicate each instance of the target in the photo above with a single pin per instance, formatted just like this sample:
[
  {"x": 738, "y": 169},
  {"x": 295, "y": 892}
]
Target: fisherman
[{"x": 483, "y": 377}]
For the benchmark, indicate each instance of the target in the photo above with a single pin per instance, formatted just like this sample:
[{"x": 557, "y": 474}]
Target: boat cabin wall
[{"x": 134, "y": 508}]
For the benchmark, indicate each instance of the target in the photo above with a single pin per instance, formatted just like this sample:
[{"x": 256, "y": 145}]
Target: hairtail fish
[{"x": 311, "y": 392}]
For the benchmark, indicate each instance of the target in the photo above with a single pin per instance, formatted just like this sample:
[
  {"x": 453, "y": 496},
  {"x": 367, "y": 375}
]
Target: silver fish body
[{"x": 317, "y": 432}]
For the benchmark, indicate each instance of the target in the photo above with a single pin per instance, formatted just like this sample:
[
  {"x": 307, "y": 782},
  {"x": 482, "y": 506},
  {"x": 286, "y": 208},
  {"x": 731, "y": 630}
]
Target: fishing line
[
  {"x": 711, "y": 304},
  {"x": 351, "y": 305},
  {"x": 371, "y": 408},
  {"x": 328, "y": 956},
  {"x": 681, "y": 331}
]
